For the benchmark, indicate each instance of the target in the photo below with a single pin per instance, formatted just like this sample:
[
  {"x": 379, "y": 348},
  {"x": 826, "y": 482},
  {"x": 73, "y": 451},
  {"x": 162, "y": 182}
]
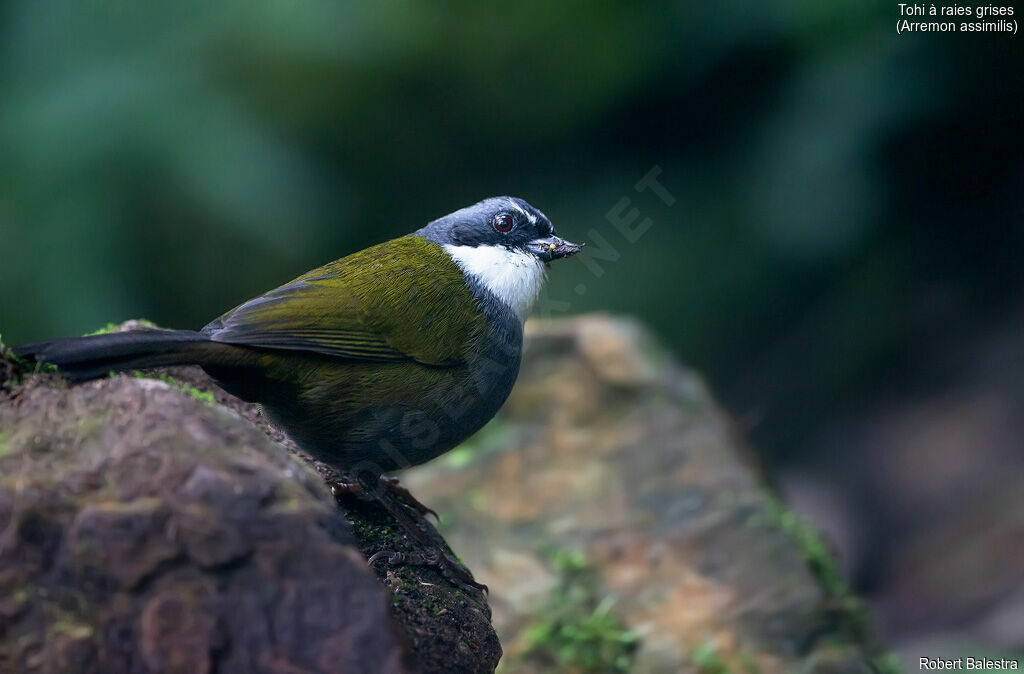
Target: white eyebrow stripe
[{"x": 529, "y": 216}]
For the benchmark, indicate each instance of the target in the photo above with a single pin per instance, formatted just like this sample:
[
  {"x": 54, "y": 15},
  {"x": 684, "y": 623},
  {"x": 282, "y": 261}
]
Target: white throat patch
[{"x": 513, "y": 276}]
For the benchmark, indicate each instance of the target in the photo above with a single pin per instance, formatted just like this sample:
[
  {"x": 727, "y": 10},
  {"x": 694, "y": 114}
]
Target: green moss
[
  {"x": 106, "y": 329},
  {"x": 708, "y": 660},
  {"x": 813, "y": 547},
  {"x": 71, "y": 629},
  {"x": 840, "y": 603},
  {"x": 18, "y": 367},
  {"x": 201, "y": 396},
  {"x": 362, "y": 529},
  {"x": 116, "y": 327},
  {"x": 46, "y": 367},
  {"x": 577, "y": 630},
  {"x": 569, "y": 561},
  {"x": 886, "y": 663}
]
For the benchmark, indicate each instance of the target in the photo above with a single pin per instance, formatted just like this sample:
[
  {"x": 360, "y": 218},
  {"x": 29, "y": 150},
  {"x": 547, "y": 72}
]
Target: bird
[{"x": 380, "y": 360}]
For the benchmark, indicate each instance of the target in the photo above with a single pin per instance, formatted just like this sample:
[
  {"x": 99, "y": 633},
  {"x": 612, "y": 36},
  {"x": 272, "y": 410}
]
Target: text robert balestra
[{"x": 966, "y": 663}]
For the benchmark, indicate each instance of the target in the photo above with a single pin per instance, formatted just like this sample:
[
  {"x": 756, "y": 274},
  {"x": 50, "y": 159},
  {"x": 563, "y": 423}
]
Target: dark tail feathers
[{"x": 84, "y": 358}]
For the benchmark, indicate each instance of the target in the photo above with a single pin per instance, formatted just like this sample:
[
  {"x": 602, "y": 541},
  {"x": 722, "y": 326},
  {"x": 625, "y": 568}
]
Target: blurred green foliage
[
  {"x": 576, "y": 629},
  {"x": 840, "y": 606},
  {"x": 708, "y": 660},
  {"x": 847, "y": 201}
]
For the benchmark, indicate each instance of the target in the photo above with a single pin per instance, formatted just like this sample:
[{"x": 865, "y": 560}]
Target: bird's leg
[
  {"x": 392, "y": 484},
  {"x": 454, "y": 573},
  {"x": 432, "y": 554},
  {"x": 342, "y": 487},
  {"x": 398, "y": 502}
]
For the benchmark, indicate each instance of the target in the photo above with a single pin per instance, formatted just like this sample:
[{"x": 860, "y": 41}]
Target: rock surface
[
  {"x": 614, "y": 515},
  {"x": 146, "y": 526}
]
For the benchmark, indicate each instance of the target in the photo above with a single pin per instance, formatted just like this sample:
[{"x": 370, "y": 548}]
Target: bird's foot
[
  {"x": 452, "y": 571},
  {"x": 408, "y": 514},
  {"x": 392, "y": 484},
  {"x": 341, "y": 487}
]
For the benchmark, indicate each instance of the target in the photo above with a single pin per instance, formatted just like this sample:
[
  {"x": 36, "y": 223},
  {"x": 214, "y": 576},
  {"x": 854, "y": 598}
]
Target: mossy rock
[{"x": 154, "y": 523}]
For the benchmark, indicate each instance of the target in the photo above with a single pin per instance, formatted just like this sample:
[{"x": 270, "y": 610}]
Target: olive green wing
[
  {"x": 404, "y": 299},
  {"x": 304, "y": 316}
]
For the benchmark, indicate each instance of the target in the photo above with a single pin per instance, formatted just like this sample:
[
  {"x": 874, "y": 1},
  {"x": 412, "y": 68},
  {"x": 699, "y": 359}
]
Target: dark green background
[{"x": 848, "y": 205}]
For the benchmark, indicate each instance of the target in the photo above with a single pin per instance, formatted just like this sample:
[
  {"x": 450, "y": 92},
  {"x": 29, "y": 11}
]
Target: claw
[
  {"x": 431, "y": 557},
  {"x": 341, "y": 488},
  {"x": 401, "y": 508},
  {"x": 394, "y": 557},
  {"x": 408, "y": 500}
]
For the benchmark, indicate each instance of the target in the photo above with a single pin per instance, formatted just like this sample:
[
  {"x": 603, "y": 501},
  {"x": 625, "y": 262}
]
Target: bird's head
[{"x": 504, "y": 244}]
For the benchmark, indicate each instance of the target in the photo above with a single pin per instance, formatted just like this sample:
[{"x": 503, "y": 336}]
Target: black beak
[{"x": 553, "y": 247}]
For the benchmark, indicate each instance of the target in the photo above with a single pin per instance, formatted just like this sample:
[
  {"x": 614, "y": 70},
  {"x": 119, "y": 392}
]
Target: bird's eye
[{"x": 503, "y": 223}]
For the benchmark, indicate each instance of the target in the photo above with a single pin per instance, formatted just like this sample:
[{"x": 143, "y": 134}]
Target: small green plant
[
  {"x": 708, "y": 660},
  {"x": 106, "y": 329},
  {"x": 578, "y": 630},
  {"x": 5, "y": 353},
  {"x": 17, "y": 367},
  {"x": 840, "y": 601}
]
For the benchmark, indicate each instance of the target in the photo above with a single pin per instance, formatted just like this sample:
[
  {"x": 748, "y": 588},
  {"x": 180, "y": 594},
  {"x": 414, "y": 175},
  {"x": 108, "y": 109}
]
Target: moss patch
[
  {"x": 886, "y": 663},
  {"x": 120, "y": 327},
  {"x": 5, "y": 444},
  {"x": 13, "y": 369},
  {"x": 577, "y": 631},
  {"x": 708, "y": 660},
  {"x": 431, "y": 611},
  {"x": 106, "y": 329},
  {"x": 91, "y": 576},
  {"x": 201, "y": 396},
  {"x": 8, "y": 365},
  {"x": 841, "y": 606}
]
